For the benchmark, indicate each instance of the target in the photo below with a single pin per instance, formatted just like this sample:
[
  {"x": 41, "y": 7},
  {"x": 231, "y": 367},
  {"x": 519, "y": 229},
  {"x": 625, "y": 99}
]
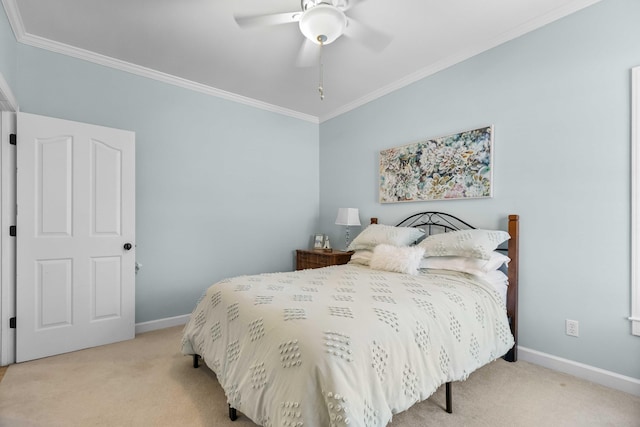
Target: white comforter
[{"x": 343, "y": 345}]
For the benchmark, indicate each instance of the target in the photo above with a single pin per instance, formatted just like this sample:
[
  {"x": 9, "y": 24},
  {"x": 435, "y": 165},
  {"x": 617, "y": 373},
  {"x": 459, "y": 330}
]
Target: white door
[{"x": 75, "y": 236}]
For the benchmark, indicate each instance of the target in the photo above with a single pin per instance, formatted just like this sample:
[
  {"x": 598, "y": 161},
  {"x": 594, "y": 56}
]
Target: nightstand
[{"x": 318, "y": 258}]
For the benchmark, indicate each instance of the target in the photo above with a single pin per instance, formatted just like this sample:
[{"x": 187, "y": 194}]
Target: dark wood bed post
[{"x": 512, "y": 290}]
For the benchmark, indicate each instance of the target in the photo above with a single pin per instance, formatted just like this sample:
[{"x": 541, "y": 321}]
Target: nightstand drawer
[{"x": 320, "y": 258}]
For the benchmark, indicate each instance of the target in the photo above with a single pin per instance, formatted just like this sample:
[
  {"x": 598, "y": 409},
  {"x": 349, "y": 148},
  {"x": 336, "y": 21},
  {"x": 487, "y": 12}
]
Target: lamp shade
[
  {"x": 323, "y": 20},
  {"x": 348, "y": 216}
]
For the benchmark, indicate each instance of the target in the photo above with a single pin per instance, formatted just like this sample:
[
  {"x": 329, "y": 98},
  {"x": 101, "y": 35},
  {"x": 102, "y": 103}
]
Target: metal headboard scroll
[{"x": 429, "y": 220}]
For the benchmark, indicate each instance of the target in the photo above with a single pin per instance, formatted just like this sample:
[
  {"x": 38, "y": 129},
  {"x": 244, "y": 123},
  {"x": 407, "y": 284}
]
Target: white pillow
[
  {"x": 500, "y": 283},
  {"x": 475, "y": 266},
  {"x": 466, "y": 243},
  {"x": 497, "y": 277},
  {"x": 362, "y": 257},
  {"x": 378, "y": 234},
  {"x": 404, "y": 259}
]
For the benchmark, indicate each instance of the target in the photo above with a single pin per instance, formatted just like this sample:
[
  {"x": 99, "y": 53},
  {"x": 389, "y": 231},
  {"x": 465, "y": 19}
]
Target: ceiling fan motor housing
[
  {"x": 308, "y": 4},
  {"x": 323, "y": 23}
]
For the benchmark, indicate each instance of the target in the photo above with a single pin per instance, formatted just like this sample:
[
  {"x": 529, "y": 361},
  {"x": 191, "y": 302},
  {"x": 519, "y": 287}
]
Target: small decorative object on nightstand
[
  {"x": 326, "y": 246},
  {"x": 320, "y": 258}
]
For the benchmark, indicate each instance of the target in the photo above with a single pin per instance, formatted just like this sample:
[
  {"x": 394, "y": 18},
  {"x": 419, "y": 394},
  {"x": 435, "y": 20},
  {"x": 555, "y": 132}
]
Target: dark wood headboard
[{"x": 444, "y": 222}]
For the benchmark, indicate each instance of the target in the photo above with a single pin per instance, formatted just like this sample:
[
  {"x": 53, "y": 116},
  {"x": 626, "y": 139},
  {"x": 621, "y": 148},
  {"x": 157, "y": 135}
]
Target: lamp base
[{"x": 346, "y": 238}]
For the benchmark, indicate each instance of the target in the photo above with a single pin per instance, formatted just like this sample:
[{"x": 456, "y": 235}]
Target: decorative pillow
[
  {"x": 475, "y": 266},
  {"x": 404, "y": 259},
  {"x": 378, "y": 234},
  {"x": 466, "y": 243},
  {"x": 362, "y": 257}
]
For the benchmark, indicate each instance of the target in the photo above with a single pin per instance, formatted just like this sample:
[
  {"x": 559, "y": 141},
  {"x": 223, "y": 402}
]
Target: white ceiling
[{"x": 197, "y": 44}]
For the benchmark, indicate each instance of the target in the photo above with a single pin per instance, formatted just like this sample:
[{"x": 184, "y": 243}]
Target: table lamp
[{"x": 348, "y": 217}]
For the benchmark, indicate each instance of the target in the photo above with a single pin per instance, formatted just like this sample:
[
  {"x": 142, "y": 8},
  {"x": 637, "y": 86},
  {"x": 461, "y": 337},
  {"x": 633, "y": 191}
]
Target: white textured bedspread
[{"x": 343, "y": 345}]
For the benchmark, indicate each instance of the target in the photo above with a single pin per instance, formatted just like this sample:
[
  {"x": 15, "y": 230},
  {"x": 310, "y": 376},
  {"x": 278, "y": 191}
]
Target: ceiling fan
[{"x": 321, "y": 22}]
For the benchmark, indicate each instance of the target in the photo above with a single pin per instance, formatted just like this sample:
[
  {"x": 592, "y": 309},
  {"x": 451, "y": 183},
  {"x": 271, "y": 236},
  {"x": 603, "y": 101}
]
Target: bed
[{"x": 354, "y": 344}]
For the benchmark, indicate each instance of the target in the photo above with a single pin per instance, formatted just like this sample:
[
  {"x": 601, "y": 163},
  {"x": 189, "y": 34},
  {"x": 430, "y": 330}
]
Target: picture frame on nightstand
[{"x": 318, "y": 241}]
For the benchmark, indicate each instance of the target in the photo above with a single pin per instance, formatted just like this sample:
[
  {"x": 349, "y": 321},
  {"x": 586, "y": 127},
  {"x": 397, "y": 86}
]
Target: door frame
[{"x": 8, "y": 108}]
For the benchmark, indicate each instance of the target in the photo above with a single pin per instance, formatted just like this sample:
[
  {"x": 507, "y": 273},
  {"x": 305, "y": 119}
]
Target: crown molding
[
  {"x": 15, "y": 19},
  {"x": 23, "y": 37},
  {"x": 128, "y": 67},
  {"x": 449, "y": 61}
]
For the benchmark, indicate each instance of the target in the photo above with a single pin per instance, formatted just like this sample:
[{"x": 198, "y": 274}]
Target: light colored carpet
[{"x": 147, "y": 382}]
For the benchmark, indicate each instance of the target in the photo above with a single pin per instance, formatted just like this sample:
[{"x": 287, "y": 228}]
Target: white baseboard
[
  {"x": 168, "y": 322},
  {"x": 599, "y": 376}
]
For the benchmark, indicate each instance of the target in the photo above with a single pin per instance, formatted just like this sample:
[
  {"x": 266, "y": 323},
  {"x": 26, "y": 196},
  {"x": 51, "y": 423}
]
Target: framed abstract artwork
[{"x": 456, "y": 166}]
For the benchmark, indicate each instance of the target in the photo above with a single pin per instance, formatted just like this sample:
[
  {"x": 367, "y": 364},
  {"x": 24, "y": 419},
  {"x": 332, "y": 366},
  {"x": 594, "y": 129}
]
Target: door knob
[{"x": 127, "y": 246}]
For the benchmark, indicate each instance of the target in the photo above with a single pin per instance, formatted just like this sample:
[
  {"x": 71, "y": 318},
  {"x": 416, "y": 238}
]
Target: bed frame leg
[
  {"x": 195, "y": 361},
  {"x": 511, "y": 356},
  {"x": 233, "y": 414},
  {"x": 448, "y": 393}
]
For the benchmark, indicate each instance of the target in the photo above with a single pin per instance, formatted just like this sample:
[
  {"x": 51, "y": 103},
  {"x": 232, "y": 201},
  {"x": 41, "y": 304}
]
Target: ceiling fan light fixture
[{"x": 323, "y": 23}]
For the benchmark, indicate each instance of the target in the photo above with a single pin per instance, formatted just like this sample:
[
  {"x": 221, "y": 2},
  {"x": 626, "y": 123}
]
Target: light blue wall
[
  {"x": 222, "y": 189},
  {"x": 7, "y": 50},
  {"x": 559, "y": 99}
]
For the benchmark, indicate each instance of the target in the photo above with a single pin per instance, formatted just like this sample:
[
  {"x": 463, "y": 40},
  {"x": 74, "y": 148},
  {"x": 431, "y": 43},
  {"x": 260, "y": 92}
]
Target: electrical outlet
[{"x": 572, "y": 328}]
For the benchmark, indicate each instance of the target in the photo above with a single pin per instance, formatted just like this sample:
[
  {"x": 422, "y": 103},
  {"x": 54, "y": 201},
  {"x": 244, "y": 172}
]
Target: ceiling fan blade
[
  {"x": 308, "y": 56},
  {"x": 267, "y": 20},
  {"x": 370, "y": 38}
]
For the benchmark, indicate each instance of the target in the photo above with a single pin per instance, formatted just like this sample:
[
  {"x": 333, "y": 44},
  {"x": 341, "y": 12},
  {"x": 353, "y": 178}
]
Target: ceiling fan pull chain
[{"x": 321, "y": 83}]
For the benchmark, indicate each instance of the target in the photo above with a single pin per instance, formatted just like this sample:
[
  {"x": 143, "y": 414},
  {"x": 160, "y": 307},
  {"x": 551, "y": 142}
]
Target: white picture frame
[{"x": 318, "y": 241}]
